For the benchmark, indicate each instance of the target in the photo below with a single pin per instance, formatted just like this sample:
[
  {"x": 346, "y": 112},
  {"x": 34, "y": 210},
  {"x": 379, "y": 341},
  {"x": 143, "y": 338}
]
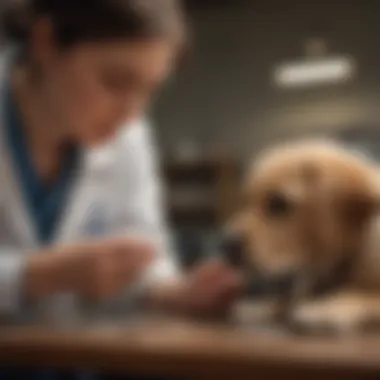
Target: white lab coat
[{"x": 118, "y": 192}]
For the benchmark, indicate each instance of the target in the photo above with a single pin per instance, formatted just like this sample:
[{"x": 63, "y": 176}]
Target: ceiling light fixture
[{"x": 317, "y": 68}]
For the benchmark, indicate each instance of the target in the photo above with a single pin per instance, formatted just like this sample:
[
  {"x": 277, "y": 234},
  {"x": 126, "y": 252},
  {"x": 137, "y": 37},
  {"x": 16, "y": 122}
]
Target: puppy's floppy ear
[
  {"x": 359, "y": 204},
  {"x": 354, "y": 192}
]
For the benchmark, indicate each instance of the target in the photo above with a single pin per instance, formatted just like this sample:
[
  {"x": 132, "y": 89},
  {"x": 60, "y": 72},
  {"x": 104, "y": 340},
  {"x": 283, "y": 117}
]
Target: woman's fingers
[
  {"x": 131, "y": 257},
  {"x": 135, "y": 257},
  {"x": 129, "y": 246},
  {"x": 114, "y": 265},
  {"x": 215, "y": 286}
]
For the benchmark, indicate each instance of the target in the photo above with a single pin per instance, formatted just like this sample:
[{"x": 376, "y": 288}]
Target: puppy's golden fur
[{"x": 312, "y": 210}]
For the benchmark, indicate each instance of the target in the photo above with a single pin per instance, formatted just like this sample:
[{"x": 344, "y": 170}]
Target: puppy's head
[{"x": 306, "y": 207}]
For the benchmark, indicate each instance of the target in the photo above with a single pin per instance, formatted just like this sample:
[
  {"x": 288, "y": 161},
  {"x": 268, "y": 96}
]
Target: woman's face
[{"x": 93, "y": 88}]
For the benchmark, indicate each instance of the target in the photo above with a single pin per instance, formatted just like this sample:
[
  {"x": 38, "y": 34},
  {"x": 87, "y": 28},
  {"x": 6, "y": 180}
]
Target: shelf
[
  {"x": 195, "y": 215},
  {"x": 188, "y": 180},
  {"x": 192, "y": 170}
]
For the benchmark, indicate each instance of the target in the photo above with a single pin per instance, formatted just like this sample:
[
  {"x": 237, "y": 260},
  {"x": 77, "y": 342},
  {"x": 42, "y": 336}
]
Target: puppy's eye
[{"x": 278, "y": 205}]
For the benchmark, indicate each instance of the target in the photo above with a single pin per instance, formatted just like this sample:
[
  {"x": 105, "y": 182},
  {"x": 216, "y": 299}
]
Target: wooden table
[{"x": 186, "y": 350}]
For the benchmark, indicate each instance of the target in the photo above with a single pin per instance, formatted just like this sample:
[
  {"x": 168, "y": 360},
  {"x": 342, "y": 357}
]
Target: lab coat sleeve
[
  {"x": 144, "y": 206},
  {"x": 12, "y": 268}
]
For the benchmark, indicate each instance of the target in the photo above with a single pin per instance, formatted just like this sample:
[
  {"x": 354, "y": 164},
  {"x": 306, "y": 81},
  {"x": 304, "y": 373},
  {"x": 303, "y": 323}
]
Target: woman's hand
[
  {"x": 207, "y": 291},
  {"x": 95, "y": 270}
]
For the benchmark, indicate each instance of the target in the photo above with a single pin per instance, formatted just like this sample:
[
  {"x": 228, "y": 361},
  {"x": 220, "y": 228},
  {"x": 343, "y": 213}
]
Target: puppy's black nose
[{"x": 232, "y": 250}]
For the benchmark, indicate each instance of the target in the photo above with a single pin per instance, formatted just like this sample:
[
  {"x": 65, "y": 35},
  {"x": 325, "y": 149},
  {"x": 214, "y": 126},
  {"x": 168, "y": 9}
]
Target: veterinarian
[{"x": 81, "y": 219}]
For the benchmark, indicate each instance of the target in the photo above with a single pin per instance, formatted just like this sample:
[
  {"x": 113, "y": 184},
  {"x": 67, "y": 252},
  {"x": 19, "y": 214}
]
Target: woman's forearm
[
  {"x": 44, "y": 276},
  {"x": 26, "y": 277}
]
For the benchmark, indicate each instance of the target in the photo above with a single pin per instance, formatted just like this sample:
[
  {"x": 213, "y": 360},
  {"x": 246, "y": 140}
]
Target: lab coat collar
[{"x": 95, "y": 167}]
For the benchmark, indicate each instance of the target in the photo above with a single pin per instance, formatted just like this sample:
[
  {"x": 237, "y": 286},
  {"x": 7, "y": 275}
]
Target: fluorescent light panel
[{"x": 314, "y": 72}]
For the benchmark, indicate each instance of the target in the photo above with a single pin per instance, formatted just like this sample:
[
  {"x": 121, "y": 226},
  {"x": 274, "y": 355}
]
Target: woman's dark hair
[{"x": 78, "y": 21}]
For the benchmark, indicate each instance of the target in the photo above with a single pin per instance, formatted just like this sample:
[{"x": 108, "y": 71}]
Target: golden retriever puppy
[{"x": 310, "y": 224}]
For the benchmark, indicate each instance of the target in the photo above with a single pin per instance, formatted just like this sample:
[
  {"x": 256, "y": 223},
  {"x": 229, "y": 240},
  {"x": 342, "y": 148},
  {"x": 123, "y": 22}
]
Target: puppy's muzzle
[{"x": 234, "y": 253}]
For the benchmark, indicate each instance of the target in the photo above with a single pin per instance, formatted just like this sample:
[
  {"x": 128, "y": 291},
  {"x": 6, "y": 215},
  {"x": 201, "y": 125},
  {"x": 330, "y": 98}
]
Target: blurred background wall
[
  {"x": 225, "y": 100},
  {"x": 226, "y": 94}
]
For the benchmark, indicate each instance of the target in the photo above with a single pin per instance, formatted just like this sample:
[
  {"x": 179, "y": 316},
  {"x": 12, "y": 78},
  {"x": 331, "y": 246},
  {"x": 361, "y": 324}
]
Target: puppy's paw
[{"x": 329, "y": 317}]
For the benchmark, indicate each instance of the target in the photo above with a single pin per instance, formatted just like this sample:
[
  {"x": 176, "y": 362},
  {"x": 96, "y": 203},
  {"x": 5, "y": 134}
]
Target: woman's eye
[
  {"x": 114, "y": 83},
  {"x": 117, "y": 81},
  {"x": 246, "y": 202},
  {"x": 277, "y": 205}
]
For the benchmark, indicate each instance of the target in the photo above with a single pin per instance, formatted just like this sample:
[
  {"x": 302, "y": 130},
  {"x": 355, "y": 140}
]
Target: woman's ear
[{"x": 43, "y": 44}]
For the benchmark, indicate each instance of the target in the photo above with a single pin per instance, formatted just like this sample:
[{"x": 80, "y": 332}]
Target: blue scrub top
[{"x": 45, "y": 202}]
